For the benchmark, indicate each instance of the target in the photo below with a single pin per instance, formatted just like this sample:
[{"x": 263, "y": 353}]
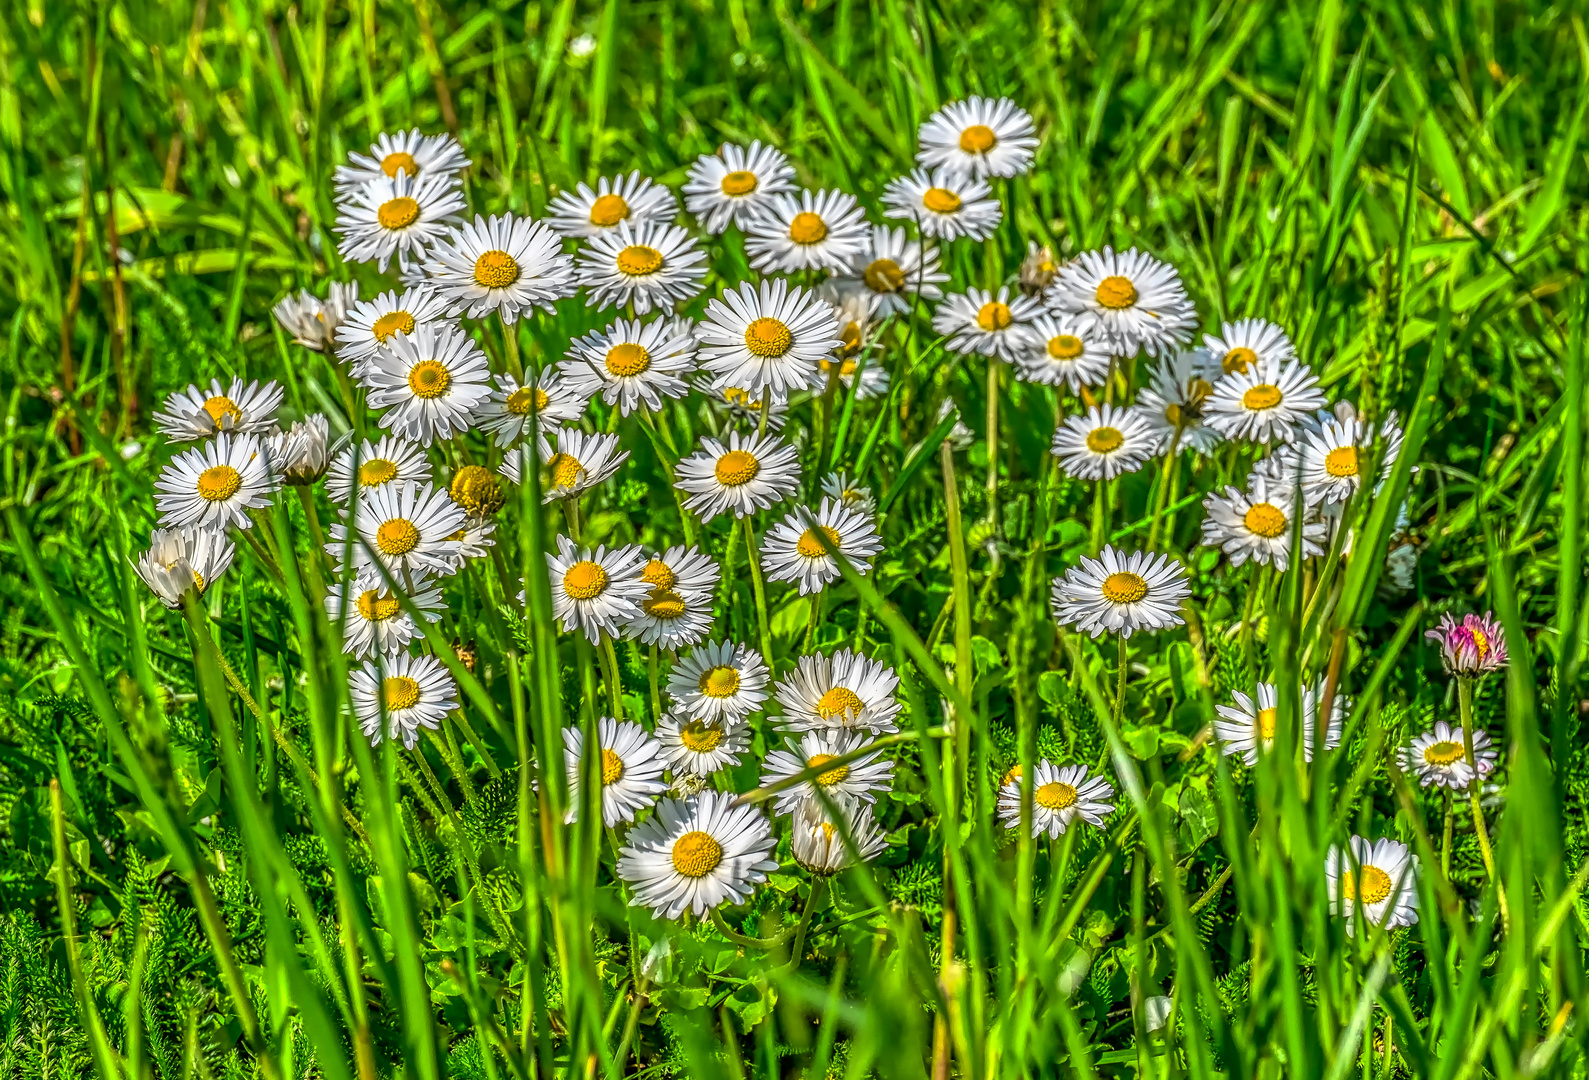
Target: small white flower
[
  {"x": 546, "y": 399},
  {"x": 671, "y": 618},
  {"x": 406, "y": 527},
  {"x": 432, "y": 380},
  {"x": 215, "y": 485},
  {"x": 891, "y": 272},
  {"x": 579, "y": 463},
  {"x": 743, "y": 411},
  {"x": 375, "y": 621},
  {"x": 632, "y": 200},
  {"x": 504, "y": 264},
  {"x": 396, "y": 215},
  {"x": 372, "y": 324},
  {"x": 1062, "y": 354},
  {"x": 1103, "y": 442},
  {"x": 182, "y": 559},
  {"x": 240, "y": 408},
  {"x": 595, "y": 592},
  {"x": 389, "y": 461},
  {"x": 979, "y": 137},
  {"x": 1439, "y": 757},
  {"x": 1377, "y": 880},
  {"x": 312, "y": 322},
  {"x": 816, "y": 838},
  {"x": 408, "y": 152},
  {"x": 699, "y": 747},
  {"x": 695, "y": 854},
  {"x": 747, "y": 474},
  {"x": 839, "y": 486},
  {"x": 1132, "y": 300},
  {"x": 845, "y": 690},
  {"x": 793, "y": 549},
  {"x": 1331, "y": 457},
  {"x": 1121, "y": 593},
  {"x": 415, "y": 691},
  {"x": 736, "y": 184},
  {"x": 301, "y": 454},
  {"x": 767, "y": 338},
  {"x": 978, "y": 322},
  {"x": 682, "y": 569},
  {"x": 1060, "y": 795},
  {"x": 631, "y": 364},
  {"x": 630, "y": 764},
  {"x": 1265, "y": 403},
  {"x": 652, "y": 265},
  {"x": 821, "y": 230},
  {"x": 857, "y": 330},
  {"x": 1249, "y": 722},
  {"x": 1173, "y": 401},
  {"x": 1256, "y": 525},
  {"x": 721, "y": 680},
  {"x": 860, "y": 780},
  {"x": 945, "y": 203},
  {"x": 1245, "y": 342}
]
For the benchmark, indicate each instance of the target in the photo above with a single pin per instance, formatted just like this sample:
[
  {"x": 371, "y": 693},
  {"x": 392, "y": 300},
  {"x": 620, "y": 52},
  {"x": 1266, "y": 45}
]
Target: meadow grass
[{"x": 206, "y": 870}]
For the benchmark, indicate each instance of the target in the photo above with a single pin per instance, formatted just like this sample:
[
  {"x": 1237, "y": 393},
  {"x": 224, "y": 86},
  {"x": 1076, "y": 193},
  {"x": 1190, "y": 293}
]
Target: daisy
[
  {"x": 687, "y": 570},
  {"x": 406, "y": 527},
  {"x": 632, "y": 200},
  {"x": 1256, "y": 525},
  {"x": 396, "y": 215},
  {"x": 944, "y": 203},
  {"x": 1060, "y": 795},
  {"x": 631, "y": 364},
  {"x": 1329, "y": 466},
  {"x": 816, "y": 838},
  {"x": 312, "y": 322},
  {"x": 240, "y": 408},
  {"x": 1250, "y": 721},
  {"x": 580, "y": 462},
  {"x": 1378, "y": 879},
  {"x": 504, "y": 264},
  {"x": 179, "y": 560},
  {"x": 407, "y": 152},
  {"x": 1173, "y": 401},
  {"x": 1263, "y": 403},
  {"x": 215, "y": 485},
  {"x": 433, "y": 379},
  {"x": 473, "y": 541},
  {"x": 389, "y": 461},
  {"x": 845, "y": 690},
  {"x": 300, "y": 454},
  {"x": 1103, "y": 442},
  {"x": 414, "y": 691},
  {"x": 546, "y": 399},
  {"x": 670, "y": 618},
  {"x": 976, "y": 321},
  {"x": 648, "y": 266},
  {"x": 595, "y": 592},
  {"x": 736, "y": 184},
  {"x": 371, "y": 616},
  {"x": 839, "y": 486},
  {"x": 372, "y": 324},
  {"x": 696, "y": 853},
  {"x": 891, "y": 272},
  {"x": 978, "y": 137},
  {"x": 856, "y": 331},
  {"x": 1132, "y": 300},
  {"x": 1439, "y": 758},
  {"x": 1060, "y": 353},
  {"x": 745, "y": 409},
  {"x": 767, "y": 338},
  {"x": 1121, "y": 593},
  {"x": 721, "y": 680},
  {"x": 700, "y": 747},
  {"x": 822, "y": 230},
  {"x": 793, "y": 549},
  {"x": 748, "y": 473},
  {"x": 860, "y": 780},
  {"x": 631, "y": 765},
  {"x": 1474, "y": 646},
  {"x": 1246, "y": 342},
  {"x": 1037, "y": 269}
]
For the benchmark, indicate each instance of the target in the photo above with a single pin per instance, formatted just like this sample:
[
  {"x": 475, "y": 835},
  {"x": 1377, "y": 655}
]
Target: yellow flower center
[
  {"x": 810, "y": 544},
  {"x": 218, "y": 482},
  {"x": 1238, "y": 359},
  {"x": 884, "y": 276},
  {"x": 696, "y": 854},
  {"x": 851, "y": 336},
  {"x": 1481, "y": 641},
  {"x": 584, "y": 580},
  {"x": 1116, "y": 293},
  {"x": 1342, "y": 461},
  {"x": 611, "y": 767},
  {"x": 831, "y": 776},
  {"x": 840, "y": 701},
  {"x": 700, "y": 736},
  {"x": 496, "y": 270},
  {"x": 1266, "y": 520},
  {"x": 429, "y": 379},
  {"x": 664, "y": 604},
  {"x": 1124, "y": 587},
  {"x": 223, "y": 412},
  {"x": 398, "y": 536},
  {"x": 768, "y": 337},
  {"x": 1104, "y": 440},
  {"x": 627, "y": 360},
  {"x": 940, "y": 200},
  {"x": 377, "y": 471},
  {"x": 1265, "y": 723},
  {"x": 399, "y": 161},
  {"x": 374, "y": 607},
  {"x": 475, "y": 489},
  {"x": 978, "y": 139},
  {"x": 396, "y": 322},
  {"x": 1260, "y": 397},
  {"x": 1370, "y": 885},
  {"x": 1065, "y": 347},
  {"x": 1054, "y": 796},
  {"x": 608, "y": 210},
  {"x": 807, "y": 228},
  {"x": 659, "y": 575},
  {"x": 400, "y": 692},
  {"x": 739, "y": 183},
  {"x": 994, "y": 316},
  {"x": 1444, "y": 753},
  {"x": 719, "y": 682},
  {"x": 527, "y": 398},
  {"x": 398, "y": 213},
  {"x": 637, "y": 260},
  {"x": 737, "y": 467}
]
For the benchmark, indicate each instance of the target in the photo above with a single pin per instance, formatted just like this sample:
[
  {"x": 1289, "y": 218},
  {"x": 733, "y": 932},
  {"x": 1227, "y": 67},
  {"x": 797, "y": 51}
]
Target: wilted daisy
[
  {"x": 631, "y": 765},
  {"x": 977, "y": 321},
  {"x": 372, "y": 324},
  {"x": 845, "y": 690},
  {"x": 631, "y": 364},
  {"x": 793, "y": 549},
  {"x": 301, "y": 453},
  {"x": 683, "y": 569},
  {"x": 891, "y": 271},
  {"x": 414, "y": 691},
  {"x": 748, "y": 473},
  {"x": 1256, "y": 524},
  {"x": 652, "y": 265},
  {"x": 819, "y": 230},
  {"x": 1332, "y": 456},
  {"x": 595, "y": 592},
  {"x": 860, "y": 780},
  {"x": 215, "y": 485},
  {"x": 632, "y": 200},
  {"x": 1037, "y": 269},
  {"x": 978, "y": 137},
  {"x": 736, "y": 184},
  {"x": 1475, "y": 645},
  {"x": 1060, "y": 353},
  {"x": 1264, "y": 403},
  {"x": 375, "y": 621},
  {"x": 406, "y": 527},
  {"x": 396, "y": 215},
  {"x": 1121, "y": 593},
  {"x": 313, "y": 322},
  {"x": 390, "y": 460},
  {"x": 1246, "y": 342},
  {"x": 696, "y": 853},
  {"x": 182, "y": 559},
  {"x": 1250, "y": 722},
  {"x": 695, "y": 747},
  {"x": 506, "y": 264},
  {"x": 721, "y": 680},
  {"x": 1133, "y": 301},
  {"x": 767, "y": 338},
  {"x": 816, "y": 837},
  {"x": 944, "y": 203},
  {"x": 1060, "y": 795},
  {"x": 1377, "y": 880},
  {"x": 407, "y": 152},
  {"x": 1103, "y": 442},
  {"x": 1439, "y": 757},
  {"x": 839, "y": 486},
  {"x": 1173, "y": 401},
  {"x": 670, "y": 618},
  {"x": 244, "y": 408},
  {"x": 432, "y": 380},
  {"x": 546, "y": 399},
  {"x": 473, "y": 541}
]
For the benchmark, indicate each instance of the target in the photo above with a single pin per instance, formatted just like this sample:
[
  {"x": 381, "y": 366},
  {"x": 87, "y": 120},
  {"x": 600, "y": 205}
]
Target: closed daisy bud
[
  {"x": 736, "y": 184},
  {"x": 630, "y": 766},
  {"x": 413, "y": 691},
  {"x": 616, "y": 201},
  {"x": 239, "y": 408},
  {"x": 213, "y": 486},
  {"x": 1373, "y": 880},
  {"x": 1474, "y": 645},
  {"x": 301, "y": 454},
  {"x": 179, "y": 560}
]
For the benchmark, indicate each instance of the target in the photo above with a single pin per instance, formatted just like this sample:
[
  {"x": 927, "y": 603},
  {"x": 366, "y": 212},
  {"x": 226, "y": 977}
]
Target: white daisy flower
[
  {"x": 301, "y": 454},
  {"x": 740, "y": 409},
  {"x": 683, "y": 569},
  {"x": 979, "y": 137},
  {"x": 183, "y": 559},
  {"x": 1264, "y": 403},
  {"x": 1246, "y": 342},
  {"x": 671, "y": 618},
  {"x": 507, "y": 413},
  {"x": 747, "y": 474},
  {"x": 1121, "y": 593},
  {"x": 735, "y": 185},
  {"x": 1249, "y": 722},
  {"x": 647, "y": 266},
  {"x": 1060, "y": 795},
  {"x": 767, "y": 338},
  {"x": 432, "y": 380},
  {"x": 1439, "y": 757},
  {"x": 313, "y": 322},
  {"x": 857, "y": 330},
  {"x": 372, "y": 324},
  {"x": 631, "y": 769},
  {"x": 1062, "y": 354},
  {"x": 1103, "y": 442},
  {"x": 406, "y": 527},
  {"x": 978, "y": 322},
  {"x": 1331, "y": 456},
  {"x": 1378, "y": 880},
  {"x": 816, "y": 838},
  {"x": 699, "y": 747},
  {"x": 1173, "y": 401},
  {"x": 396, "y": 215},
  {"x": 1256, "y": 525},
  {"x": 845, "y": 690},
  {"x": 631, "y": 364},
  {"x": 1132, "y": 300},
  {"x": 595, "y": 592},
  {"x": 632, "y": 200},
  {"x": 415, "y": 692},
  {"x": 375, "y": 619},
  {"x": 891, "y": 271},
  {"x": 474, "y": 540},
  {"x": 860, "y": 780},
  {"x": 579, "y": 463},
  {"x": 840, "y": 487},
  {"x": 820, "y": 230},
  {"x": 720, "y": 680},
  {"x": 215, "y": 485},
  {"x": 944, "y": 203},
  {"x": 241, "y": 408},
  {"x": 388, "y": 461},
  {"x": 408, "y": 152},
  {"x": 696, "y": 853},
  {"x": 510, "y": 265},
  {"x": 793, "y": 550}
]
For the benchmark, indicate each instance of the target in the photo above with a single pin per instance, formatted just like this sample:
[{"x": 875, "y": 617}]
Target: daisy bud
[{"x": 1474, "y": 646}]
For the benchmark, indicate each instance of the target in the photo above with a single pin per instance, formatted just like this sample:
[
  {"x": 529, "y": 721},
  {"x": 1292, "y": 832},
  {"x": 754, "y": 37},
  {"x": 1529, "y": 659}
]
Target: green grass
[{"x": 203, "y": 875}]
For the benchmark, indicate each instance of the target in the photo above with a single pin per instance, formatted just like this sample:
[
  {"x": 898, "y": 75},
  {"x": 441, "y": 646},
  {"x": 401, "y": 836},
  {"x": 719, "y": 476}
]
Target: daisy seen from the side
[
  {"x": 840, "y": 487},
  {"x": 767, "y": 338},
  {"x": 631, "y": 364},
  {"x": 1132, "y": 300},
  {"x": 845, "y": 690},
  {"x": 616, "y": 201},
  {"x": 313, "y": 322},
  {"x": 721, "y": 680},
  {"x": 1102, "y": 443},
  {"x": 1121, "y": 593},
  {"x": 793, "y": 549},
  {"x": 696, "y": 853},
  {"x": 979, "y": 137},
  {"x": 817, "y": 837},
  {"x": 396, "y": 216},
  {"x": 215, "y": 485},
  {"x": 240, "y": 408},
  {"x": 1061, "y": 795},
  {"x": 413, "y": 691},
  {"x": 944, "y": 203},
  {"x": 1172, "y": 403},
  {"x": 746, "y": 474},
  {"x": 595, "y": 592},
  {"x": 183, "y": 560},
  {"x": 1470, "y": 646},
  {"x": 431, "y": 381},
  {"x": 816, "y": 230},
  {"x": 509, "y": 265},
  {"x": 734, "y": 185},
  {"x": 983, "y": 323},
  {"x": 630, "y": 765}
]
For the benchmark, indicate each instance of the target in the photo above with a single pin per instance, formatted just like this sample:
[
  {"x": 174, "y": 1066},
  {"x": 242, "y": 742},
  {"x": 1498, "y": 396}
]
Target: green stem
[
  {"x": 1120, "y": 684},
  {"x": 610, "y": 673},
  {"x": 753, "y": 556},
  {"x": 1097, "y": 518},
  {"x": 510, "y": 335},
  {"x": 1162, "y": 498},
  {"x": 1465, "y": 705},
  {"x": 993, "y": 440},
  {"x": 656, "y": 696},
  {"x": 811, "y": 623}
]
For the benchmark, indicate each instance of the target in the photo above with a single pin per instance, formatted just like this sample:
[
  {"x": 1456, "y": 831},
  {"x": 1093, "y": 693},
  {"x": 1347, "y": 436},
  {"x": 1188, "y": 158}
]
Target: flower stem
[
  {"x": 1162, "y": 499},
  {"x": 1097, "y": 517},
  {"x": 1120, "y": 684},
  {"x": 811, "y": 623},
  {"x": 656, "y": 697},
  {"x": 753, "y": 557},
  {"x": 1465, "y": 704},
  {"x": 993, "y": 440},
  {"x": 510, "y": 335},
  {"x": 609, "y": 664}
]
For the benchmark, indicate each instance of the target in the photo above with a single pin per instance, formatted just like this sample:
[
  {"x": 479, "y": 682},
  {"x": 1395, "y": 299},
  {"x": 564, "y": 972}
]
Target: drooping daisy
[
  {"x": 182, "y": 559},
  {"x": 819, "y": 230},
  {"x": 1121, "y": 593},
  {"x": 1037, "y": 269},
  {"x": 396, "y": 215},
  {"x": 579, "y": 462},
  {"x": 816, "y": 837},
  {"x": 767, "y": 338},
  {"x": 432, "y": 380},
  {"x": 793, "y": 549},
  {"x": 390, "y": 460},
  {"x": 372, "y": 617},
  {"x": 372, "y": 324},
  {"x": 1132, "y": 300},
  {"x": 632, "y": 200},
  {"x": 683, "y": 569},
  {"x": 978, "y": 137},
  {"x": 1265, "y": 403},
  {"x": 215, "y": 485},
  {"x": 696, "y": 853},
  {"x": 860, "y": 780},
  {"x": 473, "y": 541},
  {"x": 1256, "y": 525},
  {"x": 721, "y": 680},
  {"x": 977, "y": 321},
  {"x": 1377, "y": 880},
  {"x": 735, "y": 185},
  {"x": 1334, "y": 725},
  {"x": 408, "y": 152},
  {"x": 891, "y": 271},
  {"x": 1331, "y": 457},
  {"x": 1062, "y": 354},
  {"x": 630, "y": 764},
  {"x": 695, "y": 747},
  {"x": 546, "y": 399},
  {"x": 670, "y": 618},
  {"x": 1475, "y": 645},
  {"x": 1246, "y": 342},
  {"x": 301, "y": 453},
  {"x": 1172, "y": 403},
  {"x": 1250, "y": 721},
  {"x": 313, "y": 322},
  {"x": 857, "y": 330},
  {"x": 944, "y": 203},
  {"x": 652, "y": 265},
  {"x": 241, "y": 408},
  {"x": 405, "y": 526},
  {"x": 845, "y": 690},
  {"x": 510, "y": 265},
  {"x": 1439, "y": 757},
  {"x": 595, "y": 592},
  {"x": 749, "y": 473},
  {"x": 631, "y": 364},
  {"x": 839, "y": 486},
  {"x": 414, "y": 691},
  {"x": 1103, "y": 442},
  {"x": 1060, "y": 795}
]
